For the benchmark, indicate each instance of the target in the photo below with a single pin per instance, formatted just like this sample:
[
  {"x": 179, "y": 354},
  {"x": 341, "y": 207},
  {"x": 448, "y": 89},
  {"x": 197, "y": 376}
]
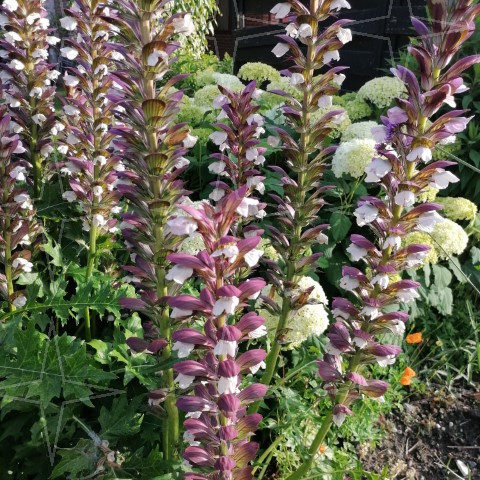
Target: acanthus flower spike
[
  {"x": 240, "y": 126},
  {"x": 295, "y": 229},
  {"x": 18, "y": 228},
  {"x": 28, "y": 80},
  {"x": 218, "y": 428},
  {"x": 152, "y": 147},
  {"x": 403, "y": 169},
  {"x": 91, "y": 166}
]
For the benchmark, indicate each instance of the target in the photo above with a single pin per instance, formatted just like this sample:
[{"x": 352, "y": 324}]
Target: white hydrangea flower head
[
  {"x": 258, "y": 71},
  {"x": 382, "y": 91},
  {"x": 193, "y": 244},
  {"x": 353, "y": 157},
  {"x": 228, "y": 81},
  {"x": 449, "y": 238},
  {"x": 457, "y": 208},
  {"x": 268, "y": 250},
  {"x": 317, "y": 292},
  {"x": 310, "y": 320},
  {"x": 359, "y": 130},
  {"x": 428, "y": 194}
]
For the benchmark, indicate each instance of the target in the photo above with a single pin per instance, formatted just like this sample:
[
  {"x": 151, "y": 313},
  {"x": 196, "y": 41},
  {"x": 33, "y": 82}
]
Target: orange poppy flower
[
  {"x": 322, "y": 449},
  {"x": 409, "y": 372},
  {"x": 414, "y": 337},
  {"x": 406, "y": 380}
]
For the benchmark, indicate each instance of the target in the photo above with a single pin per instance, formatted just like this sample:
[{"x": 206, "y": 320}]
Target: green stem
[
  {"x": 326, "y": 425},
  {"x": 91, "y": 261},
  {"x": 171, "y": 428},
  {"x": 265, "y": 466},
  {"x": 268, "y": 453}
]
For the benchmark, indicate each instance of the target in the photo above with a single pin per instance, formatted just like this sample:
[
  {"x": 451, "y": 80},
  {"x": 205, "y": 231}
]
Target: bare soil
[{"x": 434, "y": 437}]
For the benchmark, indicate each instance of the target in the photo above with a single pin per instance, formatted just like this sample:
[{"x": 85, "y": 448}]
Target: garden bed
[{"x": 429, "y": 436}]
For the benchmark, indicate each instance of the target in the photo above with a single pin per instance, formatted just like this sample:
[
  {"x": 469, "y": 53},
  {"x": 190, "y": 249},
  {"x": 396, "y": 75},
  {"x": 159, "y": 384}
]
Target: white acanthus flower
[
  {"x": 182, "y": 226},
  {"x": 179, "y": 274},
  {"x": 357, "y": 253},
  {"x": 377, "y": 169},
  {"x": 23, "y": 264},
  {"x": 10, "y": 5},
  {"x": 184, "y": 381},
  {"x": 281, "y": 10},
  {"x": 225, "y": 305},
  {"x": 69, "y": 53},
  {"x": 344, "y": 35},
  {"x": 227, "y": 385},
  {"x": 280, "y": 49},
  {"x": 305, "y": 31},
  {"x": 405, "y": 198},
  {"x": 68, "y": 23},
  {"x": 252, "y": 257},
  {"x": 297, "y": 79},
  {"x": 69, "y": 196},
  {"x": 39, "y": 118},
  {"x": 365, "y": 214},
  {"x": 225, "y": 347},
  {"x": 420, "y": 153},
  {"x": 17, "y": 65},
  {"x": 183, "y": 349},
  {"x": 18, "y": 173}
]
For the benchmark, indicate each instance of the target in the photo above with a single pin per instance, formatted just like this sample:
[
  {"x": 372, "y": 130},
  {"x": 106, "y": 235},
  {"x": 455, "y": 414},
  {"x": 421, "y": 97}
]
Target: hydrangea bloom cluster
[
  {"x": 449, "y": 238},
  {"x": 258, "y": 72},
  {"x": 227, "y": 80},
  {"x": 28, "y": 79},
  {"x": 403, "y": 169},
  {"x": 382, "y": 91},
  {"x": 357, "y": 109},
  {"x": 240, "y": 154},
  {"x": 458, "y": 208},
  {"x": 152, "y": 147},
  {"x": 18, "y": 228},
  {"x": 296, "y": 229},
  {"x": 310, "y": 320},
  {"x": 358, "y": 130},
  {"x": 352, "y": 157},
  {"x": 217, "y": 428},
  {"x": 446, "y": 239}
]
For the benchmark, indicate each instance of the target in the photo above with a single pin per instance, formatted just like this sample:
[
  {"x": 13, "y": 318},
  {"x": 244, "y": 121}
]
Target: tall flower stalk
[
  {"x": 87, "y": 117},
  {"x": 403, "y": 169},
  {"x": 296, "y": 229},
  {"x": 217, "y": 427},
  {"x": 28, "y": 78},
  {"x": 152, "y": 146},
  {"x": 17, "y": 225},
  {"x": 240, "y": 126}
]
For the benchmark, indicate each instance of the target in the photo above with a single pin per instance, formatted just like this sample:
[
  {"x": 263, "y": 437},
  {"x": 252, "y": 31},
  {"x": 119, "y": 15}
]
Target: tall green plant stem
[
  {"x": 295, "y": 241},
  {"x": 171, "y": 428},
  {"x": 91, "y": 262},
  {"x": 94, "y": 231}
]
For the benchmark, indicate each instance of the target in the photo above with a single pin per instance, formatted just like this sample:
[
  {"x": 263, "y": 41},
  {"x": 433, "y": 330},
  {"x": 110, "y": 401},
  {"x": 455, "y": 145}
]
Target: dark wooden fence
[{"x": 380, "y": 28}]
